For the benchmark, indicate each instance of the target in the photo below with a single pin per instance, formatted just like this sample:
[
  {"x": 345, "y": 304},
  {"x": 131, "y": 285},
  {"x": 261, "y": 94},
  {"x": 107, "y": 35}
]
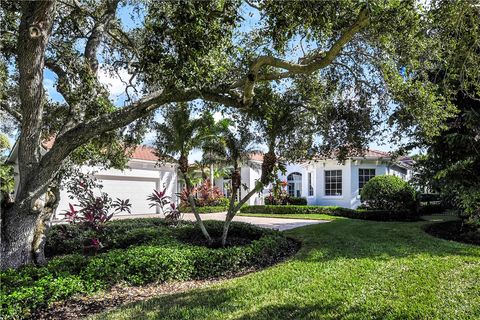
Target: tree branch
[
  {"x": 98, "y": 31},
  {"x": 8, "y": 109},
  {"x": 314, "y": 63}
]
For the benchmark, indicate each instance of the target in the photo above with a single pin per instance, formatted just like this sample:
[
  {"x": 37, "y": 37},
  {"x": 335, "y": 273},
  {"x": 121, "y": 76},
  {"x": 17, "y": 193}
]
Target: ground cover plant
[
  {"x": 135, "y": 252},
  {"x": 346, "y": 269}
]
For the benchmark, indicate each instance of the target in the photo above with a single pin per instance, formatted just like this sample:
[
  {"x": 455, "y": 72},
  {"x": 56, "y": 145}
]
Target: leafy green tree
[
  {"x": 452, "y": 159},
  {"x": 180, "y": 51}
]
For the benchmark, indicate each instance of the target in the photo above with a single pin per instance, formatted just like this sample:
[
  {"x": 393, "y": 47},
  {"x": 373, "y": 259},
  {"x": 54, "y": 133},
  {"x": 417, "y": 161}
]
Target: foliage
[
  {"x": 452, "y": 158},
  {"x": 6, "y": 178},
  {"x": 278, "y": 194},
  {"x": 428, "y": 209},
  {"x": 94, "y": 209},
  {"x": 340, "y": 69},
  {"x": 378, "y": 215},
  {"x": 164, "y": 203},
  {"x": 208, "y": 195},
  {"x": 206, "y": 209},
  {"x": 297, "y": 201},
  {"x": 388, "y": 193},
  {"x": 28, "y": 289}
]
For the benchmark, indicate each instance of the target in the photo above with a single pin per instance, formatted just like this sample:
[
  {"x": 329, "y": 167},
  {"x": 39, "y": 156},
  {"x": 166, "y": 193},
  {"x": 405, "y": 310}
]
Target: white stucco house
[
  {"x": 142, "y": 175},
  {"x": 321, "y": 181},
  {"x": 326, "y": 182}
]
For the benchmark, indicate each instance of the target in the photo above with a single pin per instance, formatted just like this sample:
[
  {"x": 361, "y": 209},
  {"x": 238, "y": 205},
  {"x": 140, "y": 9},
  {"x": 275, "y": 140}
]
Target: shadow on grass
[
  {"x": 221, "y": 304},
  {"x": 341, "y": 239},
  {"x": 358, "y": 239}
]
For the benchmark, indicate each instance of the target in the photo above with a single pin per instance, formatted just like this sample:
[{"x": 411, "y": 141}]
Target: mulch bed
[
  {"x": 456, "y": 231},
  {"x": 83, "y": 306}
]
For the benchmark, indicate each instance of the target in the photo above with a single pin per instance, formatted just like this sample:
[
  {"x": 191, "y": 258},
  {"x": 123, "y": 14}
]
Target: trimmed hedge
[
  {"x": 378, "y": 215},
  {"x": 206, "y": 209},
  {"x": 297, "y": 201},
  {"x": 432, "y": 208},
  {"x": 25, "y": 290}
]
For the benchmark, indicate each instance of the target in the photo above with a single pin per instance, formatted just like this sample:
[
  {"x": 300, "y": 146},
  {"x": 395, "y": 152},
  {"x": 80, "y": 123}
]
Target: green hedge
[
  {"x": 426, "y": 209},
  {"x": 27, "y": 289},
  {"x": 206, "y": 209},
  {"x": 379, "y": 215}
]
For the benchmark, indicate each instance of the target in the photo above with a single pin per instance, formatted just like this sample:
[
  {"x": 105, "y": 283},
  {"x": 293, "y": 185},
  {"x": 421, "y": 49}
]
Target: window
[
  {"x": 294, "y": 180},
  {"x": 333, "y": 182},
  {"x": 364, "y": 175},
  {"x": 310, "y": 186}
]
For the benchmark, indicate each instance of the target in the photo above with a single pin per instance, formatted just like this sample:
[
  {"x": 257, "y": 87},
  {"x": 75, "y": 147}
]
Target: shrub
[
  {"x": 297, "y": 201},
  {"x": 379, "y": 215},
  {"x": 27, "y": 289},
  {"x": 388, "y": 193},
  {"x": 206, "y": 209},
  {"x": 427, "y": 209}
]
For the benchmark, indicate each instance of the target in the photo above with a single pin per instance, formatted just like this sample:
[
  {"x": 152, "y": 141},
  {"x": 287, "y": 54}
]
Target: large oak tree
[{"x": 179, "y": 51}]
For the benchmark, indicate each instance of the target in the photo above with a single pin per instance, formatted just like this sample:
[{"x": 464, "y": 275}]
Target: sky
[{"x": 116, "y": 86}]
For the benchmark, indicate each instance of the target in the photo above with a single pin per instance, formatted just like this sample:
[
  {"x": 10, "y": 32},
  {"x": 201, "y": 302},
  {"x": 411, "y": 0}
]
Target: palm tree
[
  {"x": 177, "y": 136},
  {"x": 232, "y": 148}
]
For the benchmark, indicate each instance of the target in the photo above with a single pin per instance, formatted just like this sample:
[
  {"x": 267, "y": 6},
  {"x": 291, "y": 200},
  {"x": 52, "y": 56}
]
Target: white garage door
[{"x": 135, "y": 190}]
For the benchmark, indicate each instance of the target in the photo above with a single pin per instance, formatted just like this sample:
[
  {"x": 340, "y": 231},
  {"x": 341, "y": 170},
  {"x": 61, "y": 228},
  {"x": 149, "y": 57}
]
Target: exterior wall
[
  {"x": 350, "y": 197},
  {"x": 381, "y": 168},
  {"x": 250, "y": 176},
  {"x": 134, "y": 183}
]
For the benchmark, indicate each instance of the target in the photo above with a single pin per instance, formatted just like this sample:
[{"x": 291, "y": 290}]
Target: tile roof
[
  {"x": 257, "y": 156},
  {"x": 375, "y": 153},
  {"x": 139, "y": 153},
  {"x": 144, "y": 153}
]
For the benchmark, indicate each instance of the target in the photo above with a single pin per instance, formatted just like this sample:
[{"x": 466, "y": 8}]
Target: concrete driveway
[{"x": 272, "y": 223}]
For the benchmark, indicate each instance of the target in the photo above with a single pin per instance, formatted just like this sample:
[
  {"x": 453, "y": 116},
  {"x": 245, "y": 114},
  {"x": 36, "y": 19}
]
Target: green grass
[
  {"x": 291, "y": 216},
  {"x": 346, "y": 269}
]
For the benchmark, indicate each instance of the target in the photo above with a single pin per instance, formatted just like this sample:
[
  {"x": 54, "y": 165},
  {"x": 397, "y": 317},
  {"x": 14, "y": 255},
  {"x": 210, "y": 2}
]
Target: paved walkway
[{"x": 272, "y": 223}]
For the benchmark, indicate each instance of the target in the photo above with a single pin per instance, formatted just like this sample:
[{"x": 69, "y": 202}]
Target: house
[
  {"x": 322, "y": 181},
  {"x": 135, "y": 183},
  {"x": 326, "y": 182},
  {"x": 250, "y": 172}
]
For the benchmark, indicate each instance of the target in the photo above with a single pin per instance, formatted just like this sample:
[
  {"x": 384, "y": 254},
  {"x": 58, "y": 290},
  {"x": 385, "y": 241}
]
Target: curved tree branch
[{"x": 313, "y": 63}]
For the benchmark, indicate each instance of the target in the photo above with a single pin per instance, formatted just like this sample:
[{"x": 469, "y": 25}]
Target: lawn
[
  {"x": 346, "y": 269},
  {"x": 311, "y": 216}
]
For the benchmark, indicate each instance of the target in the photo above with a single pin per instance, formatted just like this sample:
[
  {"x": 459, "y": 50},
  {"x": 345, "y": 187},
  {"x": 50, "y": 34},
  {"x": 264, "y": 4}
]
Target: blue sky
[{"x": 129, "y": 20}]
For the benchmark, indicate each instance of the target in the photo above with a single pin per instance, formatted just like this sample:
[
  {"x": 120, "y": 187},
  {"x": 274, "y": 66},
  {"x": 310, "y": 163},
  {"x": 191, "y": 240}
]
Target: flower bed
[{"x": 153, "y": 252}]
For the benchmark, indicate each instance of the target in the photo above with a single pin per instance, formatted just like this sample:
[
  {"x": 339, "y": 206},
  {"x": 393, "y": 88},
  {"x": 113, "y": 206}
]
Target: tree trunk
[
  {"x": 18, "y": 228},
  {"x": 183, "y": 166},
  {"x": 24, "y": 232},
  {"x": 229, "y": 217},
  {"x": 43, "y": 224}
]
